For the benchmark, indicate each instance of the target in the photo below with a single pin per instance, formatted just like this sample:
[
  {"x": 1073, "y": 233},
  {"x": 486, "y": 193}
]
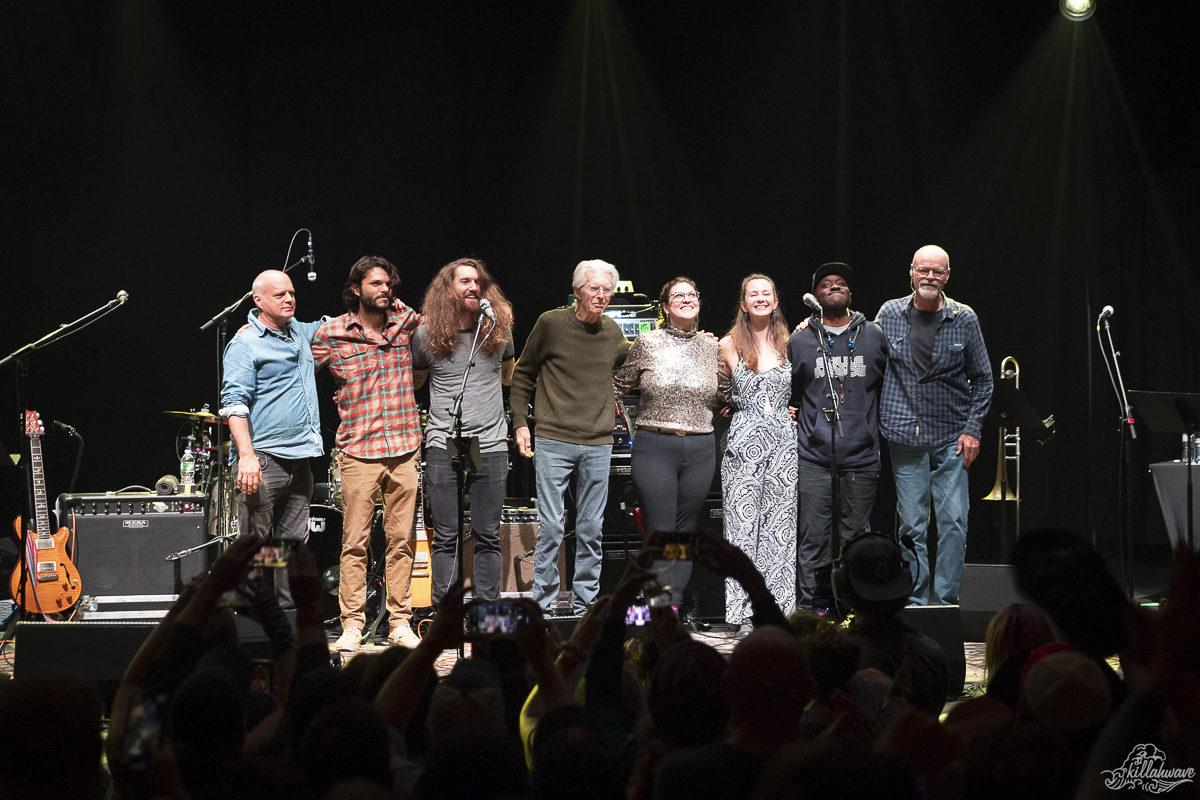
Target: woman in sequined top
[{"x": 674, "y": 454}]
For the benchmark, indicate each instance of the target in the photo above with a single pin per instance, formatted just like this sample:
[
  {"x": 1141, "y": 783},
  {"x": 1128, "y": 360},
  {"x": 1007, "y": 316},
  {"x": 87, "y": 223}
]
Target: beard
[
  {"x": 835, "y": 309},
  {"x": 379, "y": 302},
  {"x": 928, "y": 292}
]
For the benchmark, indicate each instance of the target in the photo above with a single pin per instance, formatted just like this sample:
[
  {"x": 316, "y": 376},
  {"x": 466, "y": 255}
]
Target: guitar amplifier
[{"x": 122, "y": 541}]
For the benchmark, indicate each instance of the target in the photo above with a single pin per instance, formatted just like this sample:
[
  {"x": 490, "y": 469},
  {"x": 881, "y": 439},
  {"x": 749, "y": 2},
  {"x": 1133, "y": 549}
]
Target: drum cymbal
[{"x": 196, "y": 416}]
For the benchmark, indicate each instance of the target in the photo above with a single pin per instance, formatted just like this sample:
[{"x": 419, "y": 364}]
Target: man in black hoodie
[{"x": 856, "y": 350}]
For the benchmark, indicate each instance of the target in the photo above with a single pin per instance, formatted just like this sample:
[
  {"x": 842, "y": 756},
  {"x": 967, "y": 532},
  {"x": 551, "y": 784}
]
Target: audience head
[
  {"x": 311, "y": 692},
  {"x": 832, "y": 658},
  {"x": 571, "y": 758},
  {"x": 872, "y": 576},
  {"x": 208, "y": 718},
  {"x": 1018, "y": 760},
  {"x": 346, "y": 740},
  {"x": 816, "y": 770},
  {"x": 685, "y": 698},
  {"x": 473, "y": 766},
  {"x": 1068, "y": 579},
  {"x": 767, "y": 683},
  {"x": 1065, "y": 691},
  {"x": 50, "y": 710},
  {"x": 470, "y": 699},
  {"x": 1016, "y": 628}
]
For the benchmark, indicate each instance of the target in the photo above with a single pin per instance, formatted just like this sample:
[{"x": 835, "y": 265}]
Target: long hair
[
  {"x": 1016, "y": 628},
  {"x": 664, "y": 299},
  {"x": 743, "y": 338},
  {"x": 440, "y": 308},
  {"x": 359, "y": 271}
]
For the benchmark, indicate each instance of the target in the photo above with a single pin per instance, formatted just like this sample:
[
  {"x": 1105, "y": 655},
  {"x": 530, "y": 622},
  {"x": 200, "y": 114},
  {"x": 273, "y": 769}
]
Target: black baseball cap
[
  {"x": 833, "y": 268},
  {"x": 876, "y": 567}
]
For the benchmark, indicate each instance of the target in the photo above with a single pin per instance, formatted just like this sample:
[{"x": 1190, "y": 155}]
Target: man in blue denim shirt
[
  {"x": 270, "y": 399},
  {"x": 936, "y": 391}
]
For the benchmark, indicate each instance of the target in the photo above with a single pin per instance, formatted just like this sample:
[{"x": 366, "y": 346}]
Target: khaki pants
[{"x": 362, "y": 481}]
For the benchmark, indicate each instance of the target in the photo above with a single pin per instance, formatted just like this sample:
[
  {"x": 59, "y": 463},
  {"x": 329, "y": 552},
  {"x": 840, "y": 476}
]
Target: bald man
[
  {"x": 269, "y": 396},
  {"x": 936, "y": 391}
]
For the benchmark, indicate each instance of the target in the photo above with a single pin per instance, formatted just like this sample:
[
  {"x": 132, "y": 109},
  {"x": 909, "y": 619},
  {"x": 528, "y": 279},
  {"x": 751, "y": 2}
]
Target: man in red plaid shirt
[{"x": 367, "y": 350}]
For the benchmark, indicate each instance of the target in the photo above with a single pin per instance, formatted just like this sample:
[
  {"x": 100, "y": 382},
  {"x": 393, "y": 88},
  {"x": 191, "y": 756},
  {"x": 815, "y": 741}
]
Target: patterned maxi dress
[{"x": 758, "y": 479}]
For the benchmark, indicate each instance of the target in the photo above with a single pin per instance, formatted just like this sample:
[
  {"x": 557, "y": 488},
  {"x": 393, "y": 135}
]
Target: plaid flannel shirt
[
  {"x": 953, "y": 397},
  {"x": 375, "y": 390}
]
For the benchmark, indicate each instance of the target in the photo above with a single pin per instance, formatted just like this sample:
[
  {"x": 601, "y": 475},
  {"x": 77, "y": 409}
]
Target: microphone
[
  {"x": 486, "y": 308},
  {"x": 65, "y": 428},
  {"x": 312, "y": 265},
  {"x": 1105, "y": 313},
  {"x": 812, "y": 303},
  {"x": 122, "y": 296}
]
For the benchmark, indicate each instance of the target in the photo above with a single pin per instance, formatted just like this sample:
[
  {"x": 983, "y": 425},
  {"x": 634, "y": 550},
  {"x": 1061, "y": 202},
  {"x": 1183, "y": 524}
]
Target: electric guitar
[{"x": 53, "y": 584}]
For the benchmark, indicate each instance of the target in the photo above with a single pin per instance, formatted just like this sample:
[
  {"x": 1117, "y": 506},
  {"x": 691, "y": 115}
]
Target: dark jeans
[
  {"x": 281, "y": 503},
  {"x": 673, "y": 475},
  {"x": 856, "y": 496},
  {"x": 486, "y": 489}
]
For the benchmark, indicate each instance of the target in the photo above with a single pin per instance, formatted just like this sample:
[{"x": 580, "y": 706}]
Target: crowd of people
[{"x": 802, "y": 708}]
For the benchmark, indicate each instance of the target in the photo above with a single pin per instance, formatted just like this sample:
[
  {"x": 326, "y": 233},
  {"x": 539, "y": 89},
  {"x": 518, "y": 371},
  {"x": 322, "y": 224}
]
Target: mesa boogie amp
[{"x": 122, "y": 541}]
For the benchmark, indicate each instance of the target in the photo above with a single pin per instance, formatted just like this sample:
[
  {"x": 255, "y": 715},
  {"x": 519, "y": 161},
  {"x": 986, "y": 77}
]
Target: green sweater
[{"x": 571, "y": 365}]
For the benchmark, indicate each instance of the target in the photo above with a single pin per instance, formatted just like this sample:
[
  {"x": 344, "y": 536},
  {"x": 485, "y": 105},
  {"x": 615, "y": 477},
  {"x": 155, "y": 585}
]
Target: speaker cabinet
[
  {"x": 704, "y": 597},
  {"x": 98, "y": 651},
  {"x": 986, "y": 588},
  {"x": 122, "y": 541},
  {"x": 944, "y": 626},
  {"x": 517, "y": 541}
]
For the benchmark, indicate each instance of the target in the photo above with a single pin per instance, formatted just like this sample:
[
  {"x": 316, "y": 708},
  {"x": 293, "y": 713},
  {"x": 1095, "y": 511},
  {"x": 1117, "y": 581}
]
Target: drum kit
[{"x": 198, "y": 436}]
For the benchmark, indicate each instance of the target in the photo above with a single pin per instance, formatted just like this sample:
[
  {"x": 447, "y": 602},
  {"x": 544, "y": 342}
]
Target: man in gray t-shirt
[{"x": 441, "y": 350}]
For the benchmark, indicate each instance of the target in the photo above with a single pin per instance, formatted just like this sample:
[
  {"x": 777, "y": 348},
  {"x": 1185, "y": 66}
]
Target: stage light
[{"x": 1077, "y": 10}]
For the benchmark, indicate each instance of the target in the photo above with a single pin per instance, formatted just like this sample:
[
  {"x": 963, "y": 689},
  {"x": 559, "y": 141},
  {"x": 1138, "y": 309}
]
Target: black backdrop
[{"x": 171, "y": 149}]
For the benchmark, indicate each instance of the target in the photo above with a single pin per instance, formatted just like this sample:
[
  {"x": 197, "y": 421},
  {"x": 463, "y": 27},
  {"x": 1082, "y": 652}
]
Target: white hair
[{"x": 595, "y": 265}]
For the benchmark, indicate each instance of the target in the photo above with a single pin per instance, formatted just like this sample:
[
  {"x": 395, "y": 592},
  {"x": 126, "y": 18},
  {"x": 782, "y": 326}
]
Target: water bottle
[{"x": 187, "y": 467}]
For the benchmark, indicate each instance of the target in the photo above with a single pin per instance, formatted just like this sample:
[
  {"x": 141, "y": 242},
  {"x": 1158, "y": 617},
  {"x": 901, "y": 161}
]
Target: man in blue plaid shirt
[{"x": 936, "y": 391}]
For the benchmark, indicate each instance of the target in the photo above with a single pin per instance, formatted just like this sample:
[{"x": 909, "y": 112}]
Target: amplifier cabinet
[
  {"x": 122, "y": 541},
  {"x": 517, "y": 541}
]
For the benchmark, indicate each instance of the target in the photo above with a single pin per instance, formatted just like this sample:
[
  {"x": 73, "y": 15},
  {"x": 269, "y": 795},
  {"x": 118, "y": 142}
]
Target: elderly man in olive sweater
[{"x": 569, "y": 359}]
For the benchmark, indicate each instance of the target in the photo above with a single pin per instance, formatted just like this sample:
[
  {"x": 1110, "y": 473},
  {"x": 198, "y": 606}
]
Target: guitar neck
[{"x": 41, "y": 515}]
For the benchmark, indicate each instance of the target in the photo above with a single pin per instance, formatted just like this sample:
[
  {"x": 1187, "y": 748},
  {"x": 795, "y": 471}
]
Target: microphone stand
[
  {"x": 21, "y": 357},
  {"x": 464, "y": 451},
  {"x": 833, "y": 415},
  {"x": 1125, "y": 468},
  {"x": 222, "y": 321}
]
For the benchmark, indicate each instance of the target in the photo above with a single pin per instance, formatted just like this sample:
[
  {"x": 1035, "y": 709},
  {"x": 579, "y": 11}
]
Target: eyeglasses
[
  {"x": 673, "y": 296},
  {"x": 591, "y": 288},
  {"x": 929, "y": 272}
]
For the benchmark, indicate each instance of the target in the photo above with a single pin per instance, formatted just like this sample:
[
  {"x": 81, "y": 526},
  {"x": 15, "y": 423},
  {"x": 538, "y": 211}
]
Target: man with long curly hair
[
  {"x": 368, "y": 351},
  {"x": 453, "y": 317}
]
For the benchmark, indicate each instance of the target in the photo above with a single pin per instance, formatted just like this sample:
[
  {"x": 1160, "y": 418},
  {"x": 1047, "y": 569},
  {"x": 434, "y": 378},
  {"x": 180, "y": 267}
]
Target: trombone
[{"x": 1010, "y": 450}]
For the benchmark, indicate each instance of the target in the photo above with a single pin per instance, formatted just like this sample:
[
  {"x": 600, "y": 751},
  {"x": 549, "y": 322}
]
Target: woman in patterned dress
[{"x": 759, "y": 469}]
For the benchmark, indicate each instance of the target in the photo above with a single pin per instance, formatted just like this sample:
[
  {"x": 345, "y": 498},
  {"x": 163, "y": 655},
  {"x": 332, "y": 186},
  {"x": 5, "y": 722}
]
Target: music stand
[
  {"x": 1010, "y": 409},
  {"x": 1172, "y": 412}
]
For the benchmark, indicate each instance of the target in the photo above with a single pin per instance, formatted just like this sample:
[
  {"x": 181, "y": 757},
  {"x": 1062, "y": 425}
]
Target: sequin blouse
[{"x": 677, "y": 373}]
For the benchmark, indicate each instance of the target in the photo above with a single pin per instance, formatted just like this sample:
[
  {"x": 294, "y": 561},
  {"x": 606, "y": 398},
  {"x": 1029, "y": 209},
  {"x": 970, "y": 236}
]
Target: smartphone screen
[
  {"x": 637, "y": 614},
  {"x": 494, "y": 618},
  {"x": 273, "y": 554},
  {"x": 677, "y": 546},
  {"x": 142, "y": 733}
]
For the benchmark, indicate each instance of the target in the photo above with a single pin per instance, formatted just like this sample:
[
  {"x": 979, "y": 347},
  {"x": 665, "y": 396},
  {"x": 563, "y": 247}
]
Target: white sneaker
[
  {"x": 403, "y": 635},
  {"x": 350, "y": 640}
]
